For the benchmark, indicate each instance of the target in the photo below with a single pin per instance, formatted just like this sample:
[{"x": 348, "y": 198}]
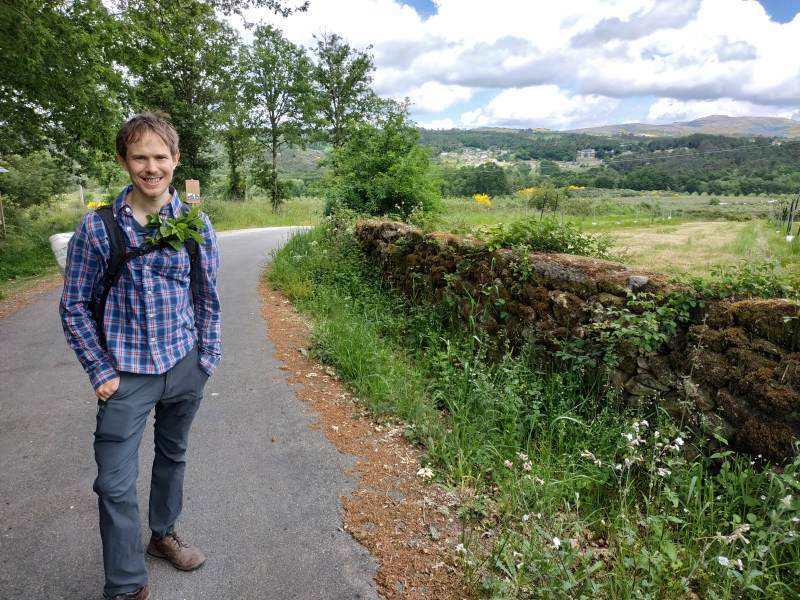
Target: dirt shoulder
[
  {"x": 409, "y": 526},
  {"x": 21, "y": 295}
]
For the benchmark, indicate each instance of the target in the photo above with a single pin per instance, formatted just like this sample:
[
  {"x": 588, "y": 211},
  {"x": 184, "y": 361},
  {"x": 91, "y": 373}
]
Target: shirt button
[{"x": 128, "y": 228}]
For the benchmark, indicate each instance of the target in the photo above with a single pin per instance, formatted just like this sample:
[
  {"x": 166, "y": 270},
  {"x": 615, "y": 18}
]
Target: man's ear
[
  {"x": 177, "y": 157},
  {"x": 121, "y": 162}
]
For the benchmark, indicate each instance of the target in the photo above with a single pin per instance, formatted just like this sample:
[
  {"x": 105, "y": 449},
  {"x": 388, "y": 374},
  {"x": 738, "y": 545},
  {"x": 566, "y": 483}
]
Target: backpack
[{"x": 120, "y": 256}]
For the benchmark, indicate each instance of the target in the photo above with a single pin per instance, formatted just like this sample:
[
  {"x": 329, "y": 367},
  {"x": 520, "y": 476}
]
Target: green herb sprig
[{"x": 177, "y": 230}]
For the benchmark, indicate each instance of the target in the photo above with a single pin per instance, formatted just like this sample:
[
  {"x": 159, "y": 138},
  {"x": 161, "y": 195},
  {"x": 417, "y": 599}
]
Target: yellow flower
[{"x": 482, "y": 199}]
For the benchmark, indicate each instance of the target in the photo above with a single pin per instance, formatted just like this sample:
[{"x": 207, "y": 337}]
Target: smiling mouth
[{"x": 152, "y": 180}]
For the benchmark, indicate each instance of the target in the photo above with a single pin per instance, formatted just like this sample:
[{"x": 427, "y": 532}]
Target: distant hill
[{"x": 713, "y": 125}]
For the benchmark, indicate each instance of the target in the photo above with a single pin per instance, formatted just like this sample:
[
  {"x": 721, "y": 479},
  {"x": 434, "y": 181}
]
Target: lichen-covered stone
[{"x": 771, "y": 439}]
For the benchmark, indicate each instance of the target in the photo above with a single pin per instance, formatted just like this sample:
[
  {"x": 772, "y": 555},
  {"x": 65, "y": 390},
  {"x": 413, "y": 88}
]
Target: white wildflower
[
  {"x": 795, "y": 519},
  {"x": 739, "y": 564},
  {"x": 592, "y": 457},
  {"x": 508, "y": 464},
  {"x": 786, "y": 501},
  {"x": 527, "y": 466},
  {"x": 539, "y": 480},
  {"x": 556, "y": 543},
  {"x": 657, "y": 434},
  {"x": 461, "y": 549},
  {"x": 662, "y": 472},
  {"x": 678, "y": 441},
  {"x": 525, "y": 518},
  {"x": 522, "y": 456},
  {"x": 425, "y": 473},
  {"x": 724, "y": 561}
]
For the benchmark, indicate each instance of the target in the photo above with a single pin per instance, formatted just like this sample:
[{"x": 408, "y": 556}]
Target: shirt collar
[{"x": 170, "y": 210}]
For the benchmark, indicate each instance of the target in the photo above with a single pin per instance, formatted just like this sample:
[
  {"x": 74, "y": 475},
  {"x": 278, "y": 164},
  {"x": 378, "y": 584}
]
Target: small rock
[{"x": 637, "y": 282}]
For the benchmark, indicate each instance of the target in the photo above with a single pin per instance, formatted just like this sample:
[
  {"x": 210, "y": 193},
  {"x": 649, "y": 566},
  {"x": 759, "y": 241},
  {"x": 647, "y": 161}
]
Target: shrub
[
  {"x": 548, "y": 235},
  {"x": 383, "y": 170}
]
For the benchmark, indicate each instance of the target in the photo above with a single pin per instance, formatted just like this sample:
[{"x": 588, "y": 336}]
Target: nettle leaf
[{"x": 177, "y": 230}]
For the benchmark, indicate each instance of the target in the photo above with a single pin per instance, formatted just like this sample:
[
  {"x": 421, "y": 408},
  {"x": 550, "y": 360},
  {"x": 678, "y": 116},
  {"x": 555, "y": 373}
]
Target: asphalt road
[{"x": 266, "y": 513}]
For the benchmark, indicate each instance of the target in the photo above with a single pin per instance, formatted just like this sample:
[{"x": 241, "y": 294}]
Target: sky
[{"x": 569, "y": 64}]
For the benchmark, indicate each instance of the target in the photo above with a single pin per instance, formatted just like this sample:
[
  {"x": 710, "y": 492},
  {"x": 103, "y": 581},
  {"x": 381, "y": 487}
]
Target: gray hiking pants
[{"x": 176, "y": 396}]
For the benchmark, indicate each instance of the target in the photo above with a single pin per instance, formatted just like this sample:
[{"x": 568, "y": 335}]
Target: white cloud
[
  {"x": 438, "y": 124},
  {"x": 667, "y": 110},
  {"x": 433, "y": 96},
  {"x": 687, "y": 51},
  {"x": 541, "y": 106}
]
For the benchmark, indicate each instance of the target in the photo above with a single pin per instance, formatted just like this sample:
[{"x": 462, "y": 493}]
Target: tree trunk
[{"x": 275, "y": 198}]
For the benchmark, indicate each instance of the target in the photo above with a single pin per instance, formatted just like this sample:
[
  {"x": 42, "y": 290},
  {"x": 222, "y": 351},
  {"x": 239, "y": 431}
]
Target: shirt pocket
[{"x": 172, "y": 265}]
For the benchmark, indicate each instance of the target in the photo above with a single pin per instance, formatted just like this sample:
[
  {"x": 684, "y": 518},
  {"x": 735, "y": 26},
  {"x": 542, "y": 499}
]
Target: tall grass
[{"x": 566, "y": 493}]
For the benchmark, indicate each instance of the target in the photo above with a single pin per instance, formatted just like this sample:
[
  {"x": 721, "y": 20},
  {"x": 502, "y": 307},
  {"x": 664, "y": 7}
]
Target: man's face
[{"x": 150, "y": 166}]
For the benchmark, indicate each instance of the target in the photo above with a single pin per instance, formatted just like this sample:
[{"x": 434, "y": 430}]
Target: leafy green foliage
[
  {"x": 177, "y": 230},
  {"x": 33, "y": 179},
  {"x": 341, "y": 81},
  {"x": 545, "y": 197},
  {"x": 182, "y": 58},
  {"x": 25, "y": 251},
  {"x": 383, "y": 170},
  {"x": 546, "y": 235},
  {"x": 746, "y": 280},
  {"x": 58, "y": 85},
  {"x": 488, "y": 178},
  {"x": 277, "y": 87}
]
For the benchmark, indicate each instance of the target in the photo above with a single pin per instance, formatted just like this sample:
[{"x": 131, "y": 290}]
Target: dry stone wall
[{"x": 732, "y": 369}]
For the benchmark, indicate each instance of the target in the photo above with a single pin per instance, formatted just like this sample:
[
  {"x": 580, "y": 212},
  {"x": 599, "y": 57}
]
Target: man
[{"x": 159, "y": 347}]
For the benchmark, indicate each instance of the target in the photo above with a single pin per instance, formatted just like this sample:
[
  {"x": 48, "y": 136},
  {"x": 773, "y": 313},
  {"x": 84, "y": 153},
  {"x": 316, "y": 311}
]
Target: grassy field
[{"x": 672, "y": 241}]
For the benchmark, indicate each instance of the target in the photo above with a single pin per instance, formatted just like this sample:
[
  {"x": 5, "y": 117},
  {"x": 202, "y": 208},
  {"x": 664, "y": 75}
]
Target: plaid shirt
[{"x": 149, "y": 320}]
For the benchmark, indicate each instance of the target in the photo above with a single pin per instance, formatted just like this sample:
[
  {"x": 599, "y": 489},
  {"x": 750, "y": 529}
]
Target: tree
[
  {"x": 180, "y": 57},
  {"x": 278, "y": 90},
  {"x": 237, "y": 133},
  {"x": 58, "y": 86},
  {"x": 545, "y": 197},
  {"x": 341, "y": 81},
  {"x": 382, "y": 169},
  {"x": 33, "y": 179}
]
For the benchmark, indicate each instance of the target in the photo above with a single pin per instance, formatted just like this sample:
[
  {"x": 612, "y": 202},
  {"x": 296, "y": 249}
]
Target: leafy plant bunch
[
  {"x": 176, "y": 231},
  {"x": 547, "y": 235}
]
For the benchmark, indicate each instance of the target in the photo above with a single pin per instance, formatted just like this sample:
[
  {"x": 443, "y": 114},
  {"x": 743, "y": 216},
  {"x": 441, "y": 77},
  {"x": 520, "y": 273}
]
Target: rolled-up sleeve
[
  {"x": 207, "y": 310},
  {"x": 85, "y": 258}
]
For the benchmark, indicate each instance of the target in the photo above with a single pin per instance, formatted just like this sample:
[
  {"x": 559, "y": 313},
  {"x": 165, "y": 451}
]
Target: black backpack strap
[{"x": 193, "y": 248}]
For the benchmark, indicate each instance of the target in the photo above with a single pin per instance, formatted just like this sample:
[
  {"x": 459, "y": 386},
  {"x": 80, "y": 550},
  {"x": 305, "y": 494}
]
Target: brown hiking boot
[
  {"x": 181, "y": 554},
  {"x": 140, "y": 594}
]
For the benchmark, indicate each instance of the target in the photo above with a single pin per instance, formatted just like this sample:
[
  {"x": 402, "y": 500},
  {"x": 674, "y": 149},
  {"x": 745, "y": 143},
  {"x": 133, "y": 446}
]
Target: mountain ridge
[{"x": 712, "y": 124}]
